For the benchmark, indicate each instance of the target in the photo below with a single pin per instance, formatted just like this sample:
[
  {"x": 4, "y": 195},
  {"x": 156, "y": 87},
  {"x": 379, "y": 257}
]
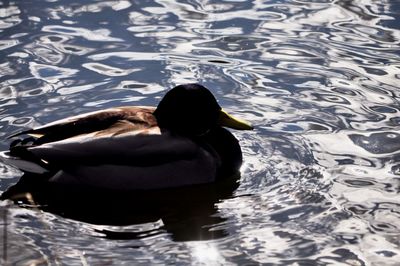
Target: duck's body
[{"x": 131, "y": 148}]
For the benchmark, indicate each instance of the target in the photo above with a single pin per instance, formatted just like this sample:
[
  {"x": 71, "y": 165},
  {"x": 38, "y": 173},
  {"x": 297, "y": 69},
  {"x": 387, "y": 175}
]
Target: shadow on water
[{"x": 186, "y": 213}]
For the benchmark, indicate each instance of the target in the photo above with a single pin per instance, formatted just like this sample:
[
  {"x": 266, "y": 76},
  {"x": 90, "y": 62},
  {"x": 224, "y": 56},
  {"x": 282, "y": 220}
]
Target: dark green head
[{"x": 192, "y": 110}]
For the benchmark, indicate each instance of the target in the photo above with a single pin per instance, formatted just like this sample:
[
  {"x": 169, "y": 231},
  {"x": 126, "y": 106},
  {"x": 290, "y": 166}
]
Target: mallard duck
[{"x": 180, "y": 142}]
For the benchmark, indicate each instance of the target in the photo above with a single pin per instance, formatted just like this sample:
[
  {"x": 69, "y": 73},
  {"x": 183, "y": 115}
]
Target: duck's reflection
[{"x": 187, "y": 213}]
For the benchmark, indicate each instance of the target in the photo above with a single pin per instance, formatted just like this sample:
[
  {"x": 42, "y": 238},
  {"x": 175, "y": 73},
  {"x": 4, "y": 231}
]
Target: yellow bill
[{"x": 226, "y": 120}]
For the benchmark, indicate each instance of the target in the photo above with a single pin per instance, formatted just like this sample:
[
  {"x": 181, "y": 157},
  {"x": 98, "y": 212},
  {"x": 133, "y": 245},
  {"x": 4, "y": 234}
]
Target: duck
[{"x": 183, "y": 141}]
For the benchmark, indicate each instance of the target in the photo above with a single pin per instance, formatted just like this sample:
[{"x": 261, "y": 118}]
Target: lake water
[{"x": 318, "y": 79}]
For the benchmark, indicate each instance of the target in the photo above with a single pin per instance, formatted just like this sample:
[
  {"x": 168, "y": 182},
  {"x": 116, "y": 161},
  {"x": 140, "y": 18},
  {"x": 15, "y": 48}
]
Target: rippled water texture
[{"x": 319, "y": 80}]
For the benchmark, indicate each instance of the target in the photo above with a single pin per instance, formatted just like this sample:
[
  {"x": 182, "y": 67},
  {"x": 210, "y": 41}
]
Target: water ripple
[{"x": 96, "y": 35}]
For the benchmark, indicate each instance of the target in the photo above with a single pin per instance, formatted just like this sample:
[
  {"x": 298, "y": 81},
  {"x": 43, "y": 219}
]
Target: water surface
[{"x": 319, "y": 80}]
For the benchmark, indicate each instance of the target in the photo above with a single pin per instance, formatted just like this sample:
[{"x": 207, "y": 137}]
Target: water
[{"x": 319, "y": 80}]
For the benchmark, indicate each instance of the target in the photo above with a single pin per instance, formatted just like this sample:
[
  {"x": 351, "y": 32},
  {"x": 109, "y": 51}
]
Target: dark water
[{"x": 319, "y": 80}]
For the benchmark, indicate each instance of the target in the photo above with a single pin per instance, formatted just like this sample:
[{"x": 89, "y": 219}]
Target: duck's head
[{"x": 192, "y": 110}]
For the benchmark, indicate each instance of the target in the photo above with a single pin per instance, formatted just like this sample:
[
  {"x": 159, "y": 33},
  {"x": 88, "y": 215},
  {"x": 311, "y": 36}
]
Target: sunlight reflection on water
[{"x": 319, "y": 80}]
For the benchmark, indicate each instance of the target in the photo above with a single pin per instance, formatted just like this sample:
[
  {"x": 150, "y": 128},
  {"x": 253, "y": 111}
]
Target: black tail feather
[{"x": 20, "y": 148}]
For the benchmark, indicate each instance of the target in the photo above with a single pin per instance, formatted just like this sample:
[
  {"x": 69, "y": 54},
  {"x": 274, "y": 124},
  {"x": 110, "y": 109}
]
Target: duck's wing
[
  {"x": 109, "y": 121},
  {"x": 142, "y": 148},
  {"x": 146, "y": 160},
  {"x": 128, "y": 162}
]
